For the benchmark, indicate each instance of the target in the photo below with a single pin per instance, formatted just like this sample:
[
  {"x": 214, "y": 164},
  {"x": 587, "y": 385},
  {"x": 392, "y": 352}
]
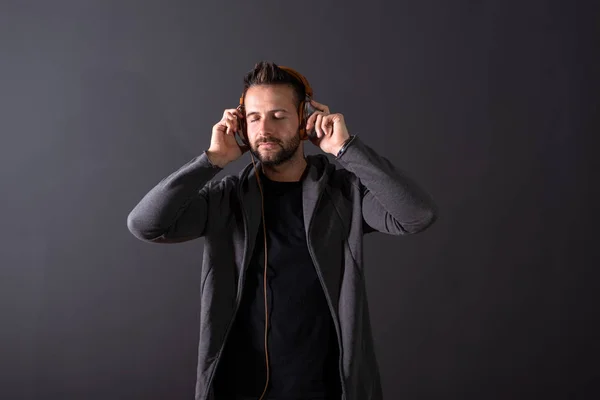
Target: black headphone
[{"x": 305, "y": 108}]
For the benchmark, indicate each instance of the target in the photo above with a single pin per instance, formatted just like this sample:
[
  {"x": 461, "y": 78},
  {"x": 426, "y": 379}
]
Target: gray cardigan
[{"x": 340, "y": 205}]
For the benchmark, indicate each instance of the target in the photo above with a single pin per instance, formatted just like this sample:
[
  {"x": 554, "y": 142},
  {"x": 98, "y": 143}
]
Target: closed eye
[{"x": 274, "y": 117}]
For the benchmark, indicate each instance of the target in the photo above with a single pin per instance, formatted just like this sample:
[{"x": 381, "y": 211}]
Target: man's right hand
[{"x": 224, "y": 148}]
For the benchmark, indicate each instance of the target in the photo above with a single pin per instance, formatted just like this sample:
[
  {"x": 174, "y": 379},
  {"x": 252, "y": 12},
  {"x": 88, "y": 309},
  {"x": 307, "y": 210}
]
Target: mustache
[{"x": 267, "y": 140}]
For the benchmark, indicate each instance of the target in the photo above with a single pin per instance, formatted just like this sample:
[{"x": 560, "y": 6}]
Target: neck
[{"x": 289, "y": 171}]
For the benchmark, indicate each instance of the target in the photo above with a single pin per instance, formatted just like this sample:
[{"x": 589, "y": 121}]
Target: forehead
[{"x": 265, "y": 97}]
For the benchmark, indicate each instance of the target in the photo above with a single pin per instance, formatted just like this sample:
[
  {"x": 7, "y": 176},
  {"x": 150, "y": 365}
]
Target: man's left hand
[{"x": 331, "y": 130}]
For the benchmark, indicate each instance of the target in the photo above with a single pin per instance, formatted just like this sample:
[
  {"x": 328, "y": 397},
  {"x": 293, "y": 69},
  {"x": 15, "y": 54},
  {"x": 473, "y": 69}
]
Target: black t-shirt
[{"x": 302, "y": 343}]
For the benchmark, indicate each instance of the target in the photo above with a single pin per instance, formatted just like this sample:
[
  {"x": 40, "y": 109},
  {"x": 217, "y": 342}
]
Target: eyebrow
[{"x": 271, "y": 111}]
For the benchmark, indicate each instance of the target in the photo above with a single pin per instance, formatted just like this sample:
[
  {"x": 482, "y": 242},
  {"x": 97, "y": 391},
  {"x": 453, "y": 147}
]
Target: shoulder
[
  {"x": 336, "y": 176},
  {"x": 231, "y": 182},
  {"x": 225, "y": 185}
]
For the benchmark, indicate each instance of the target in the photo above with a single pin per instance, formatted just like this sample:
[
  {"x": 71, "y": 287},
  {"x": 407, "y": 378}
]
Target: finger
[
  {"x": 318, "y": 126},
  {"x": 222, "y": 126},
  {"x": 231, "y": 122},
  {"x": 328, "y": 125},
  {"x": 229, "y": 129},
  {"x": 234, "y": 118},
  {"x": 234, "y": 122},
  {"x": 232, "y": 114},
  {"x": 319, "y": 106},
  {"x": 324, "y": 125},
  {"x": 310, "y": 121},
  {"x": 236, "y": 113}
]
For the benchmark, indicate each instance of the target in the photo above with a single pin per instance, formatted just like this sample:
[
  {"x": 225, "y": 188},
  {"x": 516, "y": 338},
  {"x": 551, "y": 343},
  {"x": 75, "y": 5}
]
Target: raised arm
[
  {"x": 392, "y": 202},
  {"x": 176, "y": 209}
]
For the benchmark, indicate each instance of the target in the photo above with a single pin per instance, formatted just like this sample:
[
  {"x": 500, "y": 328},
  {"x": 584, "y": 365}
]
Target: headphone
[{"x": 305, "y": 108}]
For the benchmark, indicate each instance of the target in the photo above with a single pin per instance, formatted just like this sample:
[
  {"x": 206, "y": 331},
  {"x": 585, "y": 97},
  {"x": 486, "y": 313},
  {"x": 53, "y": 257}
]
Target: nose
[{"x": 264, "y": 128}]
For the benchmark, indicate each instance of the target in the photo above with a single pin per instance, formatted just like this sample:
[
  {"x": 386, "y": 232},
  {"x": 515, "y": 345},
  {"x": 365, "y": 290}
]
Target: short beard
[{"x": 285, "y": 153}]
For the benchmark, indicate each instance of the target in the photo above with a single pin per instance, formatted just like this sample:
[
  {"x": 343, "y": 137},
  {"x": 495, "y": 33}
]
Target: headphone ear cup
[
  {"x": 302, "y": 119},
  {"x": 241, "y": 134},
  {"x": 308, "y": 110}
]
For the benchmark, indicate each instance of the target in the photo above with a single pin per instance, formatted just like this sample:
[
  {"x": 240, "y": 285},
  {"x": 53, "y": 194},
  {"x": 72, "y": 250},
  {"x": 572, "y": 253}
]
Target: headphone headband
[
  {"x": 301, "y": 78},
  {"x": 295, "y": 74}
]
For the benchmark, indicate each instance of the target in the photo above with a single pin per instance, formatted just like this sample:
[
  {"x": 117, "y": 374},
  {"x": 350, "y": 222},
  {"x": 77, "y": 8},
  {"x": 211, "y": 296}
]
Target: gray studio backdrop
[{"x": 483, "y": 103}]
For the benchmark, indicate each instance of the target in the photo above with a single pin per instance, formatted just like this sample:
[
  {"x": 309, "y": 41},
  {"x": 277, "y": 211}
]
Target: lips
[{"x": 268, "y": 144}]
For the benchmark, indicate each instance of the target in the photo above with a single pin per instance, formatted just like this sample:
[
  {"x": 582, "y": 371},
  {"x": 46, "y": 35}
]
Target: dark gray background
[{"x": 489, "y": 105}]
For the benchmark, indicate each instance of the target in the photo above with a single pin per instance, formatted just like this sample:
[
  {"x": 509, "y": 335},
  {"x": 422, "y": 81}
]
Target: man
[{"x": 294, "y": 326}]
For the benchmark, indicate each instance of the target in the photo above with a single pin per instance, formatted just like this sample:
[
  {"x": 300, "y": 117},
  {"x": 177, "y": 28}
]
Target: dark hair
[{"x": 268, "y": 73}]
